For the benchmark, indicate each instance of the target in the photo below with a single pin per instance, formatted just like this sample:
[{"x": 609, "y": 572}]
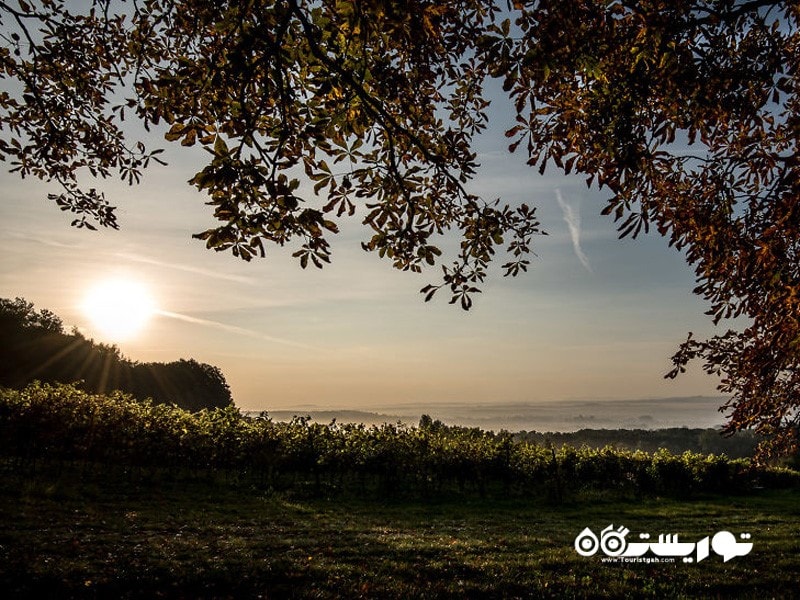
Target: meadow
[
  {"x": 93, "y": 538},
  {"x": 103, "y": 497}
]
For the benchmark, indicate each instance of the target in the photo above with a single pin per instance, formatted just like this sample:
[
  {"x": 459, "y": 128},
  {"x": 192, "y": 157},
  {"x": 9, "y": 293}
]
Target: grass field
[{"x": 64, "y": 537}]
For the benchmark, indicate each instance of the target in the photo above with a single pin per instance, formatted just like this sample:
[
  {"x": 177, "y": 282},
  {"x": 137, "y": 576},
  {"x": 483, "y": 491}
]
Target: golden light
[{"x": 119, "y": 308}]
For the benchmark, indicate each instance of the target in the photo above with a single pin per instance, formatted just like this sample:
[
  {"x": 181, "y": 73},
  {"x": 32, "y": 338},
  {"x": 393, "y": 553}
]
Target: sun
[{"x": 119, "y": 308}]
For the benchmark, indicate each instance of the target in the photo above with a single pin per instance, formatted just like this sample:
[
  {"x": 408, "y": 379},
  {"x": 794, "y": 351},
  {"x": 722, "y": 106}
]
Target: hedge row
[{"x": 57, "y": 423}]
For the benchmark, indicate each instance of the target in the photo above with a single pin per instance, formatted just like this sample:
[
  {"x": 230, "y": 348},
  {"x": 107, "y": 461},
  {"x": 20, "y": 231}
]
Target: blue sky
[{"x": 594, "y": 318}]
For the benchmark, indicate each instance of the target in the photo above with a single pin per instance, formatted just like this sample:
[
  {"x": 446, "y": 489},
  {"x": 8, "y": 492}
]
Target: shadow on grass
[{"x": 65, "y": 537}]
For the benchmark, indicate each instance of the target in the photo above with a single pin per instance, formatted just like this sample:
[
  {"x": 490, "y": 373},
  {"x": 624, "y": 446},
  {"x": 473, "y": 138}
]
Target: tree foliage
[
  {"x": 36, "y": 348},
  {"x": 21, "y": 314},
  {"x": 685, "y": 111}
]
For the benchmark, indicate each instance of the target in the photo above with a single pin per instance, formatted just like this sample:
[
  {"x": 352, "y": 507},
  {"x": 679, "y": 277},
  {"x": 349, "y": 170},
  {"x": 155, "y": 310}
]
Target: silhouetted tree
[
  {"x": 686, "y": 111},
  {"x": 21, "y": 314},
  {"x": 35, "y": 347}
]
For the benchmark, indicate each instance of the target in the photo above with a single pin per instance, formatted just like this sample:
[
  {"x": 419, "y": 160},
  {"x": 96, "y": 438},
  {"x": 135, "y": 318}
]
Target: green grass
[{"x": 65, "y": 536}]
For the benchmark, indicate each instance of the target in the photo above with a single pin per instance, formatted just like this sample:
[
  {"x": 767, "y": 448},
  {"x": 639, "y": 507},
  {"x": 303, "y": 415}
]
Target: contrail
[
  {"x": 234, "y": 329},
  {"x": 572, "y": 217},
  {"x": 186, "y": 268},
  {"x": 39, "y": 240}
]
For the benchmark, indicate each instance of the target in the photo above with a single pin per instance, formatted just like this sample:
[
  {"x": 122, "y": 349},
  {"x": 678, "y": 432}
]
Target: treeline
[
  {"x": 46, "y": 426},
  {"x": 675, "y": 439},
  {"x": 35, "y": 347}
]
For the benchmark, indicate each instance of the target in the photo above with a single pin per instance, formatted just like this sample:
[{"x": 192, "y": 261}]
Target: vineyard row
[{"x": 47, "y": 424}]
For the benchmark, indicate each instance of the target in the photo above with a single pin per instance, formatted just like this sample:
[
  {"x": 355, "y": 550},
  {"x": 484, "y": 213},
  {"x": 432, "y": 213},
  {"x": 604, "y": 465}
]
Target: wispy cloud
[
  {"x": 41, "y": 240},
  {"x": 186, "y": 268},
  {"x": 572, "y": 217},
  {"x": 234, "y": 329}
]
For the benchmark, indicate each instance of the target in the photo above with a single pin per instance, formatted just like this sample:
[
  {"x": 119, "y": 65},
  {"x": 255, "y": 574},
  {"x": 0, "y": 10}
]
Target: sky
[{"x": 594, "y": 318}]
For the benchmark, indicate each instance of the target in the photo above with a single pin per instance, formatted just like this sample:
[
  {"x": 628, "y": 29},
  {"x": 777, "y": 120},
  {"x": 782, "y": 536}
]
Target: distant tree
[
  {"x": 686, "y": 111},
  {"x": 426, "y": 423},
  {"x": 187, "y": 383},
  {"x": 675, "y": 439}
]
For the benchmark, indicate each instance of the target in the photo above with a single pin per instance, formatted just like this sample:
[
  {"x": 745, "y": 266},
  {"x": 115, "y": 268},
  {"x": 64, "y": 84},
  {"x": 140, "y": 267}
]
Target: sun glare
[{"x": 119, "y": 308}]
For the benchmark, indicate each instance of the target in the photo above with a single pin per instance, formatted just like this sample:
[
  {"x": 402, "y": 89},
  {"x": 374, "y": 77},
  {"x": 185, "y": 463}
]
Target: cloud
[
  {"x": 41, "y": 240},
  {"x": 572, "y": 217},
  {"x": 234, "y": 329},
  {"x": 186, "y": 268}
]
